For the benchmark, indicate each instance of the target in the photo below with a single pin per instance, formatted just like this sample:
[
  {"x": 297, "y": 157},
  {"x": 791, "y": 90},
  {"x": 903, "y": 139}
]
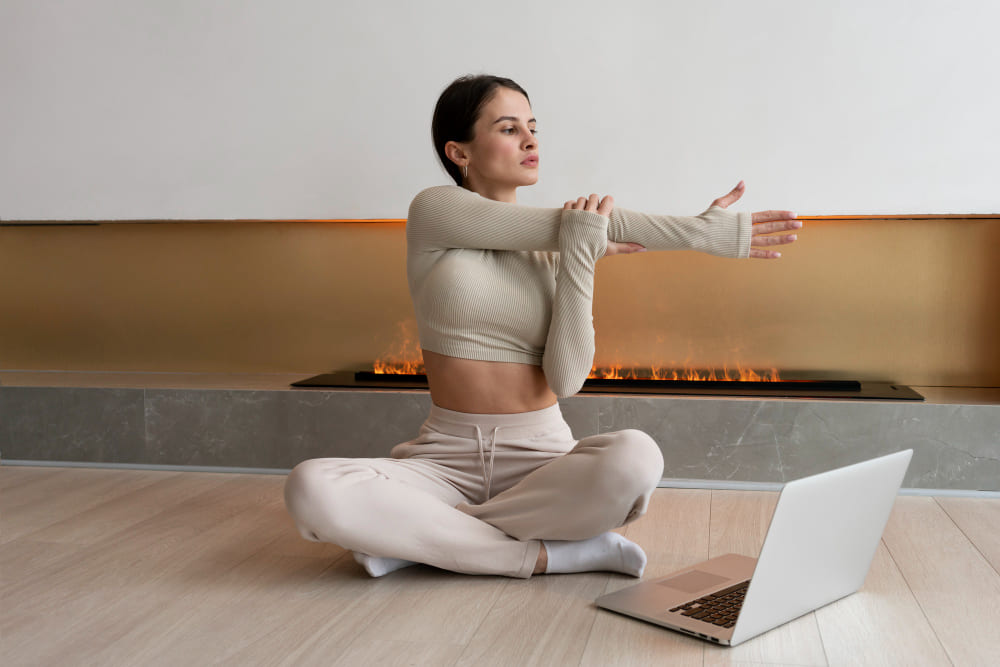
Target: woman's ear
[{"x": 456, "y": 153}]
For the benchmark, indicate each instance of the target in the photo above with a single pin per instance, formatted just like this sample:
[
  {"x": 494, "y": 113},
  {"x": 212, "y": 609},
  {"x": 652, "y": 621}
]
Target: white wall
[{"x": 204, "y": 109}]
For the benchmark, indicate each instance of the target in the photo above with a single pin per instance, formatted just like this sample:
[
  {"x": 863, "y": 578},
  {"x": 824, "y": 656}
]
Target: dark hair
[{"x": 458, "y": 109}]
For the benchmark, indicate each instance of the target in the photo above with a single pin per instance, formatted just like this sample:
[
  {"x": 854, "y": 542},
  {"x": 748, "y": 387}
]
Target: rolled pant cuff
[{"x": 534, "y": 547}]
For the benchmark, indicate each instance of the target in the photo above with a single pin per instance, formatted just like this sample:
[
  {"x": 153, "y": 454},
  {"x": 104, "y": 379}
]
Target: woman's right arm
[{"x": 451, "y": 217}]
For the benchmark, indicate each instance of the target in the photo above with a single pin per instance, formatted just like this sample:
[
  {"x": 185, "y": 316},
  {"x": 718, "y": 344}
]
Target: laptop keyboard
[{"x": 720, "y": 608}]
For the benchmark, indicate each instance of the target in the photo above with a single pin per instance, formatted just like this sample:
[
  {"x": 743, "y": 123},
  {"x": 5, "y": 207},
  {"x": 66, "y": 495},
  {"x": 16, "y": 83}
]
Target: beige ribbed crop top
[{"x": 503, "y": 282}]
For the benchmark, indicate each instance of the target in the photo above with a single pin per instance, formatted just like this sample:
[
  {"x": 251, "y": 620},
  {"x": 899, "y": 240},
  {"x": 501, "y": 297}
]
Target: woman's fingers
[
  {"x": 773, "y": 240},
  {"x": 592, "y": 203},
  {"x": 771, "y": 216},
  {"x": 779, "y": 226},
  {"x": 758, "y": 241},
  {"x": 757, "y": 253},
  {"x": 725, "y": 200},
  {"x": 622, "y": 248},
  {"x": 607, "y": 205}
]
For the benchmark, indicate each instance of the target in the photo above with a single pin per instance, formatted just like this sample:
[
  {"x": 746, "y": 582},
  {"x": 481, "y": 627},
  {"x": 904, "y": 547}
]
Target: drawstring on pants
[{"x": 487, "y": 477}]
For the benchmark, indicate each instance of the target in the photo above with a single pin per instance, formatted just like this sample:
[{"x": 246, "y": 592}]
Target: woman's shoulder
[
  {"x": 435, "y": 200},
  {"x": 444, "y": 188},
  {"x": 438, "y": 192}
]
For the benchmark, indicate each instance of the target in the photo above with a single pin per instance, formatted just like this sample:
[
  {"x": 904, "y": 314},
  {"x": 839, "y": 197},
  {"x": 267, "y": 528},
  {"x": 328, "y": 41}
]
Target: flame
[
  {"x": 399, "y": 367},
  {"x": 405, "y": 358},
  {"x": 416, "y": 367},
  {"x": 741, "y": 374}
]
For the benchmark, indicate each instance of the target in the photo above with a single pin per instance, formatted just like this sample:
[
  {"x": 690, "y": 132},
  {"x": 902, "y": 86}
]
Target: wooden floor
[{"x": 113, "y": 567}]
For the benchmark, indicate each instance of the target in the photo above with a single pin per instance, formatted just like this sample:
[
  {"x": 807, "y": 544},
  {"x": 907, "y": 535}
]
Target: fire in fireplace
[
  {"x": 742, "y": 382},
  {"x": 401, "y": 367}
]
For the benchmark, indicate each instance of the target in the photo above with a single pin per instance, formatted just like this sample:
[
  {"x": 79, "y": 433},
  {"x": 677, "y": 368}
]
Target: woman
[{"x": 495, "y": 482}]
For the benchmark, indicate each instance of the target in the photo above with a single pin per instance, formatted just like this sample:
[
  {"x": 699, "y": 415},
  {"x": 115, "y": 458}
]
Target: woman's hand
[
  {"x": 603, "y": 207},
  {"x": 764, "y": 222}
]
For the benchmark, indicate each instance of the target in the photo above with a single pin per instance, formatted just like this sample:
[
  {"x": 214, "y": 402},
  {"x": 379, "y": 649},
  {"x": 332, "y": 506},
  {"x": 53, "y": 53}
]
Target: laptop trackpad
[{"x": 693, "y": 581}]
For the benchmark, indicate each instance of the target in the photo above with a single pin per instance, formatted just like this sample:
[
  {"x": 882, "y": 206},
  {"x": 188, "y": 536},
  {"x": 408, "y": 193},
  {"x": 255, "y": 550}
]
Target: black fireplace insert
[{"x": 843, "y": 389}]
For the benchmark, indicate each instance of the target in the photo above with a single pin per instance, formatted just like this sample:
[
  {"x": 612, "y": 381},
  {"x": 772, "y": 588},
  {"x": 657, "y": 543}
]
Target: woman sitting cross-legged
[{"x": 495, "y": 483}]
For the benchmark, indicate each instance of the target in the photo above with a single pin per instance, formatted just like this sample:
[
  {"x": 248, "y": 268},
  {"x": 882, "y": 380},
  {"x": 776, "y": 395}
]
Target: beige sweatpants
[{"x": 476, "y": 493}]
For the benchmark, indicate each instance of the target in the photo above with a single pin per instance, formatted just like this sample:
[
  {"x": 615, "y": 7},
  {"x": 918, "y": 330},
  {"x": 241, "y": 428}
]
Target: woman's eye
[{"x": 513, "y": 130}]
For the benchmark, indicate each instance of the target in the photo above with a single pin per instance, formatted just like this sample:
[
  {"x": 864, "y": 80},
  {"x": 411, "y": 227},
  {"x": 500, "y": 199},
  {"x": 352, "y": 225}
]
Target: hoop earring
[{"x": 466, "y": 174}]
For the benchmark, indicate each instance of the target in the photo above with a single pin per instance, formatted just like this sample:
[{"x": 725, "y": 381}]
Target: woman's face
[{"x": 503, "y": 154}]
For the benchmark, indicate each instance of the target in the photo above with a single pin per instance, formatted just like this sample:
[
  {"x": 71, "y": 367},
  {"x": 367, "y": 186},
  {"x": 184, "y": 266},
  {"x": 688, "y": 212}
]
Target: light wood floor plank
[
  {"x": 452, "y": 608},
  {"x": 539, "y": 621},
  {"x": 15, "y": 554},
  {"x": 958, "y": 590},
  {"x": 979, "y": 519},
  {"x": 330, "y": 613},
  {"x": 153, "y": 592},
  {"x": 117, "y": 515},
  {"x": 739, "y": 521},
  {"x": 66, "y": 540},
  {"x": 881, "y": 624},
  {"x": 295, "y": 545},
  {"x": 739, "y": 524},
  {"x": 13, "y": 476},
  {"x": 203, "y": 568},
  {"x": 29, "y": 507},
  {"x": 347, "y": 612},
  {"x": 216, "y": 619},
  {"x": 170, "y": 540},
  {"x": 400, "y": 653},
  {"x": 111, "y": 488},
  {"x": 45, "y": 487},
  {"x": 674, "y": 534}
]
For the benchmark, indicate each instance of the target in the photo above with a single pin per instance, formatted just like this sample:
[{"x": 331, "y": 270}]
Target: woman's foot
[
  {"x": 377, "y": 567},
  {"x": 606, "y": 552}
]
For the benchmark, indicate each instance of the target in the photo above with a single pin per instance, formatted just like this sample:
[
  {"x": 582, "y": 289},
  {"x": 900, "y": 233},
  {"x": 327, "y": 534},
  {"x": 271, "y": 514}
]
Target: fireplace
[
  {"x": 710, "y": 383},
  {"x": 869, "y": 301},
  {"x": 400, "y": 366}
]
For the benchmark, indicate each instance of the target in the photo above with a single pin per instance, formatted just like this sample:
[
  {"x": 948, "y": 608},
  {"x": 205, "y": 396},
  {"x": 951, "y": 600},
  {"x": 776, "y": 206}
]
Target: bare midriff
[{"x": 486, "y": 387}]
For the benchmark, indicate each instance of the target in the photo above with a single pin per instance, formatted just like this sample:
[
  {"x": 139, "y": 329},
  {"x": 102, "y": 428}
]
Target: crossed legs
[{"x": 413, "y": 509}]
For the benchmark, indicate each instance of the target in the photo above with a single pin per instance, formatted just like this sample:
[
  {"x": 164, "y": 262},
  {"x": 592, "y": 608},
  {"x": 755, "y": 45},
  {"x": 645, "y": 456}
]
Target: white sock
[
  {"x": 377, "y": 567},
  {"x": 606, "y": 552}
]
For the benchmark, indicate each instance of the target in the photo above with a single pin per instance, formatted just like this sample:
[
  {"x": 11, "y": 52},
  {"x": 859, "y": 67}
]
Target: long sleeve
[
  {"x": 569, "y": 348},
  {"x": 448, "y": 216},
  {"x": 717, "y": 231}
]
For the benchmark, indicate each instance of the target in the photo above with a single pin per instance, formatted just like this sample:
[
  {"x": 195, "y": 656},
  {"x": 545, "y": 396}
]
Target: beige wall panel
[
  {"x": 239, "y": 297},
  {"x": 904, "y": 301}
]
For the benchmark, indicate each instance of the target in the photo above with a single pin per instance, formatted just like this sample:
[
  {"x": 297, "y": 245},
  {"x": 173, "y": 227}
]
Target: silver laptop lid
[{"x": 821, "y": 541}]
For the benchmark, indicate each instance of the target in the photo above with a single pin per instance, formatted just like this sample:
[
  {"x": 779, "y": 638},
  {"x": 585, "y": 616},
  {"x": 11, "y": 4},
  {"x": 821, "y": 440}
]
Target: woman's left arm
[
  {"x": 569, "y": 346},
  {"x": 717, "y": 231}
]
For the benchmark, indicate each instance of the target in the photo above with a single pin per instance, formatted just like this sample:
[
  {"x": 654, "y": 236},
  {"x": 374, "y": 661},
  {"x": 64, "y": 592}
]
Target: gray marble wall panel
[
  {"x": 277, "y": 429},
  {"x": 955, "y": 446},
  {"x": 72, "y": 424},
  {"x": 582, "y": 413},
  {"x": 745, "y": 440}
]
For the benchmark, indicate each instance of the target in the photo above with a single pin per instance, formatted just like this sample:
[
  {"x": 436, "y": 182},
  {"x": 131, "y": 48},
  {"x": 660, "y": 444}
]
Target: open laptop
[{"x": 819, "y": 547}]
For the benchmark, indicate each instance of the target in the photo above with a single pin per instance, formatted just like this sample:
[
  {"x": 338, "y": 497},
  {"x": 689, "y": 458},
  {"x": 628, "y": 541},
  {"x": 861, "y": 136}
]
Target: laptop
[{"x": 818, "y": 549}]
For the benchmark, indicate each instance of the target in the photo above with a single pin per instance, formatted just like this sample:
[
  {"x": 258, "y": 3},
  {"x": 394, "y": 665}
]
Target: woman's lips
[{"x": 531, "y": 161}]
